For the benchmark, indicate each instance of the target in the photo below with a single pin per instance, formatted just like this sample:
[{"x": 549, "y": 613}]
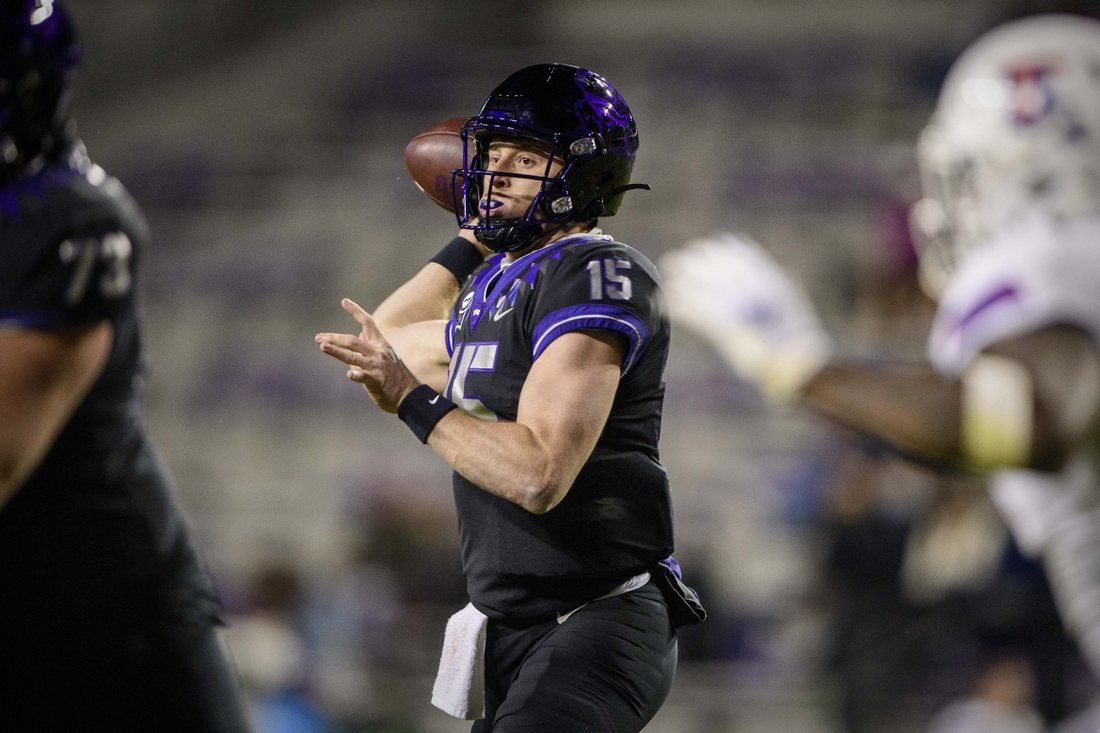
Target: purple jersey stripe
[
  {"x": 608, "y": 317},
  {"x": 36, "y": 320},
  {"x": 9, "y": 203},
  {"x": 450, "y": 337},
  {"x": 674, "y": 566},
  {"x": 1005, "y": 292}
]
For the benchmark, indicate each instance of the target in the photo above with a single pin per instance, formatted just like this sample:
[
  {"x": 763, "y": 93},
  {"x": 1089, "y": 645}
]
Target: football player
[
  {"x": 1011, "y": 171},
  {"x": 106, "y": 618},
  {"x": 552, "y": 350}
]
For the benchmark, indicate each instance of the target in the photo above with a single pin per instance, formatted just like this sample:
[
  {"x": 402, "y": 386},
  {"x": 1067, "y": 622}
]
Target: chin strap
[
  {"x": 499, "y": 240},
  {"x": 509, "y": 239}
]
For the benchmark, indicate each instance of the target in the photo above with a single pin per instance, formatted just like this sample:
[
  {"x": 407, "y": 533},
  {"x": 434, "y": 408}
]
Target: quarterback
[
  {"x": 1011, "y": 171},
  {"x": 537, "y": 375}
]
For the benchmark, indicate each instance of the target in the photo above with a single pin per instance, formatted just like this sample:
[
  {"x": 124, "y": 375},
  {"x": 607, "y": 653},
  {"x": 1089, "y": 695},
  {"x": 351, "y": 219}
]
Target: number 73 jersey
[{"x": 509, "y": 313}]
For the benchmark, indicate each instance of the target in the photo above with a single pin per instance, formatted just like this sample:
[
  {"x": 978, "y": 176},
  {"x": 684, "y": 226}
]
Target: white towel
[{"x": 459, "y": 688}]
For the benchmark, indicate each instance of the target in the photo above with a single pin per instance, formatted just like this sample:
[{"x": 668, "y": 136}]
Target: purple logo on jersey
[{"x": 464, "y": 309}]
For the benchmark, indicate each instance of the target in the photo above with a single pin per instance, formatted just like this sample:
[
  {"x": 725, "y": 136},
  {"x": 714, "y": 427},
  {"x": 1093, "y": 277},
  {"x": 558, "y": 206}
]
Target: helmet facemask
[
  {"x": 945, "y": 223},
  {"x": 552, "y": 205}
]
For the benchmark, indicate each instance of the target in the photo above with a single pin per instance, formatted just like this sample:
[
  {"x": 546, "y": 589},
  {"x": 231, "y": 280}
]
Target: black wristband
[
  {"x": 422, "y": 409},
  {"x": 461, "y": 257}
]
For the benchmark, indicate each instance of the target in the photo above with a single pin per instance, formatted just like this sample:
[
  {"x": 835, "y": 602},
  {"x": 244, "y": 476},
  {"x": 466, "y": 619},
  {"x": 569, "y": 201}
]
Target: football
[{"x": 432, "y": 156}]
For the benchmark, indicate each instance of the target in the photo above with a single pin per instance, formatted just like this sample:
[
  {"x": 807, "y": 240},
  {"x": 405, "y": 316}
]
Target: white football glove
[{"x": 731, "y": 292}]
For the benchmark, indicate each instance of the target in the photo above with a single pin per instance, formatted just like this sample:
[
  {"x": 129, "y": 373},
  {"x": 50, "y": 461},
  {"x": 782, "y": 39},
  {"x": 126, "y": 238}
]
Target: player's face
[{"x": 511, "y": 196}]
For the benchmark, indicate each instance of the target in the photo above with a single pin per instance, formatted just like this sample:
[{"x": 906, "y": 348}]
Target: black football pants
[
  {"x": 167, "y": 677},
  {"x": 605, "y": 669}
]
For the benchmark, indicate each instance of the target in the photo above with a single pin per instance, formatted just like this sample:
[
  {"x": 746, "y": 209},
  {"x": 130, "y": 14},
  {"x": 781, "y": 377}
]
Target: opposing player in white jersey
[{"x": 1011, "y": 169}]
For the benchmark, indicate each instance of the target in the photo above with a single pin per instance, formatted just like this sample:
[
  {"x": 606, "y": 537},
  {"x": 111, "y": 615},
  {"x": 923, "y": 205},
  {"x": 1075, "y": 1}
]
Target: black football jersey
[
  {"x": 94, "y": 528},
  {"x": 616, "y": 520}
]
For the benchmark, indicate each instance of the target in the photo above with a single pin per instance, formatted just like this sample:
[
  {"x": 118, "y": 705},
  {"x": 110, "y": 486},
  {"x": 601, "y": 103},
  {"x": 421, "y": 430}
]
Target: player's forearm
[
  {"x": 504, "y": 458},
  {"x": 15, "y": 469},
  {"x": 422, "y": 348},
  {"x": 11, "y": 476},
  {"x": 1029, "y": 401},
  {"x": 426, "y": 297},
  {"x": 21, "y": 455},
  {"x": 430, "y": 294},
  {"x": 908, "y": 406},
  {"x": 1062, "y": 366},
  {"x": 43, "y": 378}
]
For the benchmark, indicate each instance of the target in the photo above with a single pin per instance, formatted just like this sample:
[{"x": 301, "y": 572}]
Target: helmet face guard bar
[
  {"x": 474, "y": 193},
  {"x": 473, "y": 185}
]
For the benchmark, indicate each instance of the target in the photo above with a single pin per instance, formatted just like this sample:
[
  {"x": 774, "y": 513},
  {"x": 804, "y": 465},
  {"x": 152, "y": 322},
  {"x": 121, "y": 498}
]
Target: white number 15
[{"x": 609, "y": 282}]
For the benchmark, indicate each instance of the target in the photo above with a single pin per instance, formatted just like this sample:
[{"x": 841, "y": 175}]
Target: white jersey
[{"x": 1034, "y": 274}]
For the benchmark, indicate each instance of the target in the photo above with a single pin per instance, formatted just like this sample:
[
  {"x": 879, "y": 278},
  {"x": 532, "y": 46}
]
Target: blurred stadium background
[{"x": 847, "y": 591}]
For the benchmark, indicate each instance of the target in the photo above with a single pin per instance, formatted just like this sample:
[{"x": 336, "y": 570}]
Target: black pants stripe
[{"x": 606, "y": 669}]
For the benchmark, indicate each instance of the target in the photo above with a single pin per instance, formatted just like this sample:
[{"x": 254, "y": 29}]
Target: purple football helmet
[
  {"x": 39, "y": 53},
  {"x": 585, "y": 123}
]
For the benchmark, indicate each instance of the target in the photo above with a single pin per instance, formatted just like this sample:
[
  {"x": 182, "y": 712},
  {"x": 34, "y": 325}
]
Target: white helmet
[{"x": 1016, "y": 129}]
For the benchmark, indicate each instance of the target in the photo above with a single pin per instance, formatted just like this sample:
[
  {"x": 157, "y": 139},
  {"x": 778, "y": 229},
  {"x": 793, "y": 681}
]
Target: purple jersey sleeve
[{"x": 609, "y": 287}]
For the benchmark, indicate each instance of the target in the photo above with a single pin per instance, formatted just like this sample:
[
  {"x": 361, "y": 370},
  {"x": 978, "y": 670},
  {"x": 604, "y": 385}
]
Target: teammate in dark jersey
[
  {"x": 106, "y": 618},
  {"x": 554, "y": 349}
]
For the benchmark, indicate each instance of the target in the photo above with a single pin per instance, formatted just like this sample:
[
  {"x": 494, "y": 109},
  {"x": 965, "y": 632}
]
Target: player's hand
[
  {"x": 374, "y": 364},
  {"x": 731, "y": 292}
]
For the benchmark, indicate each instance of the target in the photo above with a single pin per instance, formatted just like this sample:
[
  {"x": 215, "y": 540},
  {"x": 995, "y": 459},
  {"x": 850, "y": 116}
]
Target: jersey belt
[{"x": 632, "y": 584}]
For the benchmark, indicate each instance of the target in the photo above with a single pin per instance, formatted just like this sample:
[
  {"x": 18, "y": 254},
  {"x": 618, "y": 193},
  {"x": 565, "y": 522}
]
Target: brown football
[{"x": 432, "y": 156}]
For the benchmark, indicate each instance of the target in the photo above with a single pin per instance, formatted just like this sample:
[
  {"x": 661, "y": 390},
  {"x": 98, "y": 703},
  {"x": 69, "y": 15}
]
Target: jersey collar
[{"x": 501, "y": 274}]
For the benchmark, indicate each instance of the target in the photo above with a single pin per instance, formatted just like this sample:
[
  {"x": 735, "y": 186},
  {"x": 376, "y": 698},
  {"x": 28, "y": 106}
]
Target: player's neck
[{"x": 548, "y": 239}]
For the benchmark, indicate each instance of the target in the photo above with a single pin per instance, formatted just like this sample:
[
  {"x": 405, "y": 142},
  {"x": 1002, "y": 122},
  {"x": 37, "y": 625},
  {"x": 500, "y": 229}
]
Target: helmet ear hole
[{"x": 555, "y": 201}]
